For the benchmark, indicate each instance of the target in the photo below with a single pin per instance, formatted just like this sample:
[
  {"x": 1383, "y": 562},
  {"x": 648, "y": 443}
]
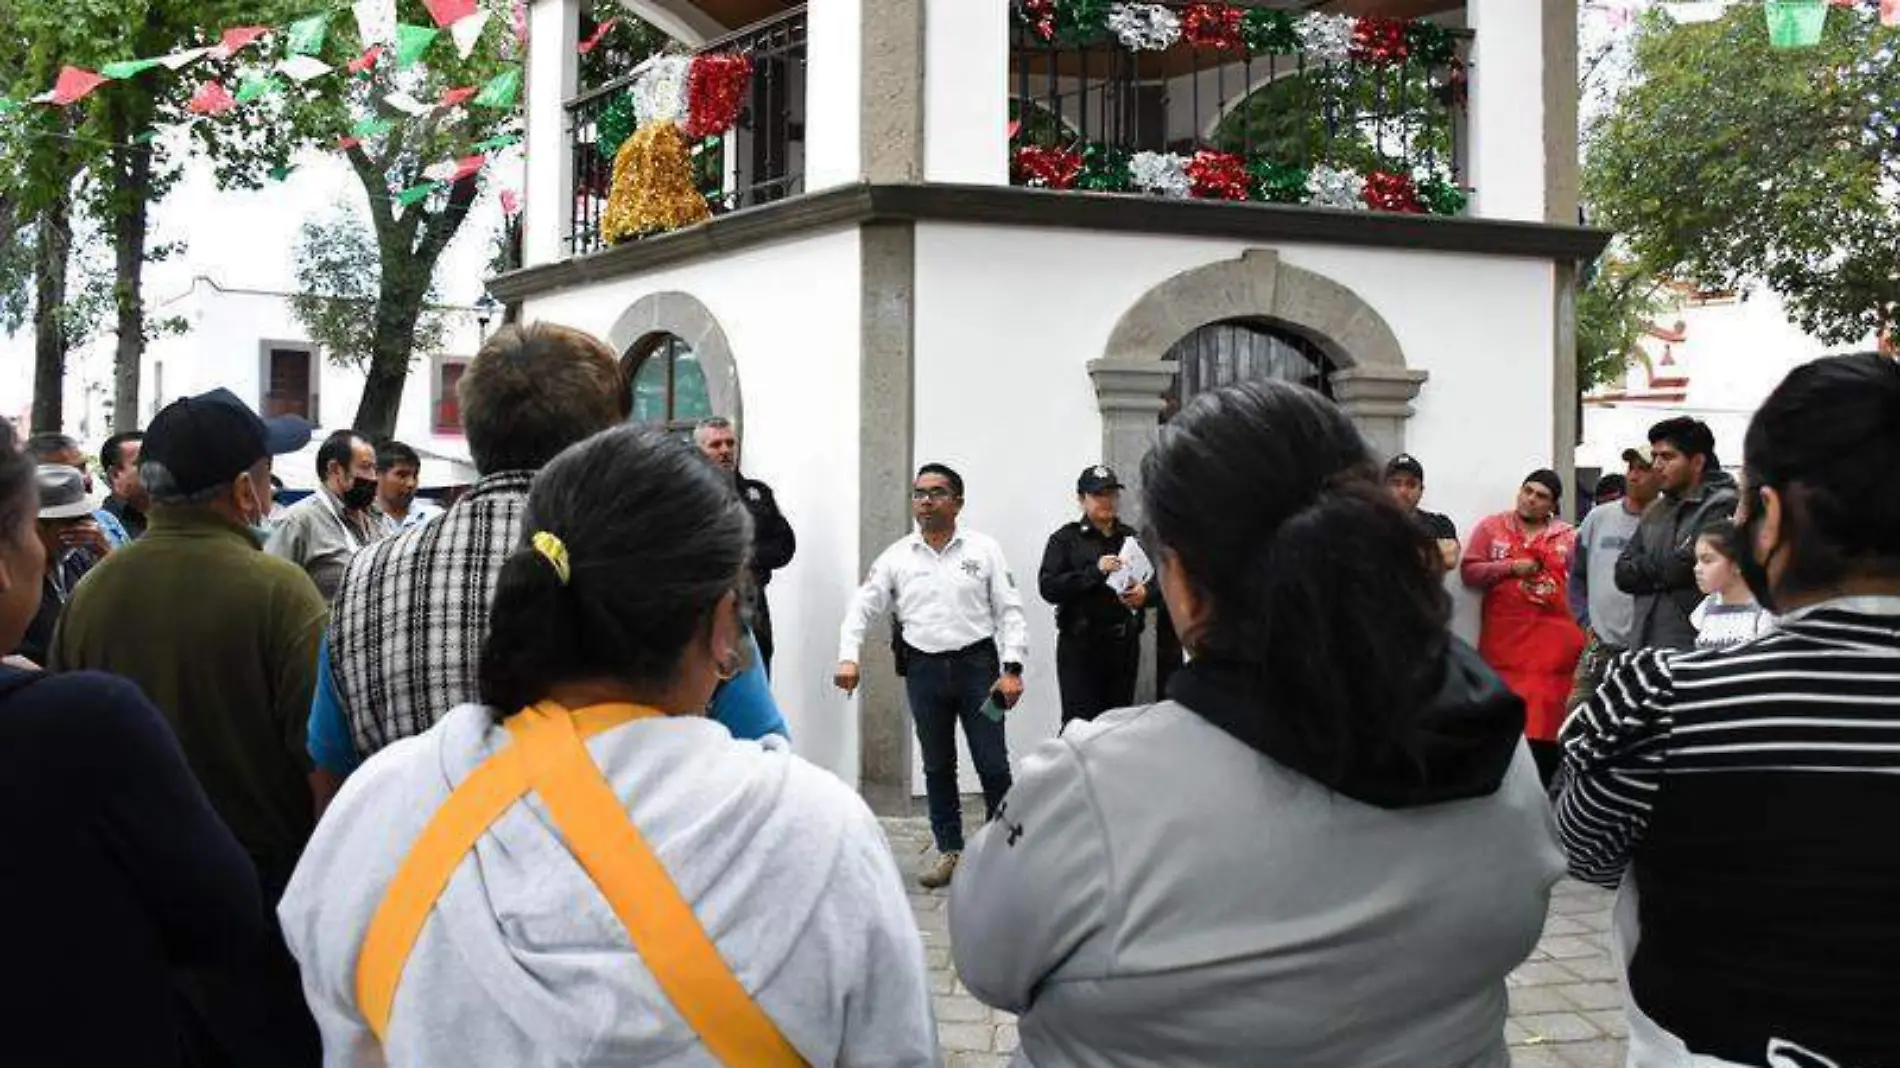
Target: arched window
[
  {"x": 669, "y": 385},
  {"x": 1222, "y": 354}
]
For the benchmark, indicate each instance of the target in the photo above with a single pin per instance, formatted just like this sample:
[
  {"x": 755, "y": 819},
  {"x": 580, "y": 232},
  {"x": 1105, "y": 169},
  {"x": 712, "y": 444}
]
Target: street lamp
[{"x": 485, "y": 311}]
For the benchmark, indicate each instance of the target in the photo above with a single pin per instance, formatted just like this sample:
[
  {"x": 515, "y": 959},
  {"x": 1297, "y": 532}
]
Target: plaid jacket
[{"x": 407, "y": 628}]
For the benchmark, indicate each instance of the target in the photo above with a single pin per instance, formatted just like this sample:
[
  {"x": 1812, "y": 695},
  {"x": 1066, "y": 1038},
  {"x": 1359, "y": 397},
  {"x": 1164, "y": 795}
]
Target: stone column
[
  {"x": 1129, "y": 394},
  {"x": 553, "y": 71},
  {"x": 1379, "y": 401}
]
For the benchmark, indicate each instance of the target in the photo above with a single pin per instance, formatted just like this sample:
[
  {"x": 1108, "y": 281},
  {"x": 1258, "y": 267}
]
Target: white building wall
[{"x": 791, "y": 315}]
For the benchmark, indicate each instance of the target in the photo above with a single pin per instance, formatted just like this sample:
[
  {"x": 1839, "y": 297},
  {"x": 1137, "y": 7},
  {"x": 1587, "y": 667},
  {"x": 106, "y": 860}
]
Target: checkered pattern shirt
[{"x": 407, "y": 628}]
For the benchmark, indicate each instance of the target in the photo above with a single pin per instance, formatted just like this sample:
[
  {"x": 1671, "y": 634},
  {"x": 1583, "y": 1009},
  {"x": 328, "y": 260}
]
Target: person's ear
[
  {"x": 1768, "y": 531},
  {"x": 726, "y": 636}
]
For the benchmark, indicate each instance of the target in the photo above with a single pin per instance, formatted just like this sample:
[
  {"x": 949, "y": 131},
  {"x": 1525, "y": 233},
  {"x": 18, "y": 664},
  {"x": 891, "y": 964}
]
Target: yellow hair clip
[{"x": 551, "y": 547}]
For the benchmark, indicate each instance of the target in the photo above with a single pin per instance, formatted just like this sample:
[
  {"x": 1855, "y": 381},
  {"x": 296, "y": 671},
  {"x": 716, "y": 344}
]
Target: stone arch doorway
[{"x": 676, "y": 360}]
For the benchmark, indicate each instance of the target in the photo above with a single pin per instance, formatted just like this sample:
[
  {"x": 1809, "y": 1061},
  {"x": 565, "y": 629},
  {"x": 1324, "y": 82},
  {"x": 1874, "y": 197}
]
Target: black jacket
[
  {"x": 1072, "y": 579},
  {"x": 1658, "y": 564},
  {"x": 773, "y": 542}
]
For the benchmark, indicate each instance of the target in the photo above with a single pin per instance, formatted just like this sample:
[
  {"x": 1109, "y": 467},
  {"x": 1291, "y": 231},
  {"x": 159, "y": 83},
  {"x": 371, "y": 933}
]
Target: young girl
[{"x": 1728, "y": 615}]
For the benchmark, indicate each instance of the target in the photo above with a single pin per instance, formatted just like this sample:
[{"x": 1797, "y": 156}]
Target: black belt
[
  {"x": 1089, "y": 628},
  {"x": 987, "y": 645}
]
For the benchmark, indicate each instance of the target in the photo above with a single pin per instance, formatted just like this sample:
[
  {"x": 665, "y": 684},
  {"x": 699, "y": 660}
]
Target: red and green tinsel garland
[
  {"x": 1255, "y": 31},
  {"x": 716, "y": 89}
]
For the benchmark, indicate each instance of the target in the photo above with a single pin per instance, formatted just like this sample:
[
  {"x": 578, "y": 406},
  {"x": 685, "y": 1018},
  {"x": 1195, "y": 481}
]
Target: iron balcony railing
[
  {"x": 1226, "y": 86},
  {"x": 761, "y": 159}
]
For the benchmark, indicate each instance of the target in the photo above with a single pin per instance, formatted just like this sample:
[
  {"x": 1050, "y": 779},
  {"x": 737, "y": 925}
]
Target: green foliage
[
  {"x": 339, "y": 279},
  {"x": 1615, "y": 306},
  {"x": 1725, "y": 162},
  {"x": 1366, "y": 118}
]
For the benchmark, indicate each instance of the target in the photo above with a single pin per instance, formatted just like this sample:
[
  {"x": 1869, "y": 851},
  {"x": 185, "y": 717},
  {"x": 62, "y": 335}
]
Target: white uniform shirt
[{"x": 945, "y": 601}]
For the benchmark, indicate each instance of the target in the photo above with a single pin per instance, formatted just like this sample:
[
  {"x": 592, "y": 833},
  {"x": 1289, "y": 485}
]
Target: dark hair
[
  {"x": 533, "y": 391},
  {"x": 112, "y": 453},
  {"x": 955, "y": 480},
  {"x": 1319, "y": 586},
  {"x": 1828, "y": 439},
  {"x": 647, "y": 565},
  {"x": 393, "y": 453},
  {"x": 1724, "y": 538},
  {"x": 1611, "y": 483},
  {"x": 338, "y": 448},
  {"x": 1691, "y": 437},
  {"x": 19, "y": 486},
  {"x": 45, "y": 444}
]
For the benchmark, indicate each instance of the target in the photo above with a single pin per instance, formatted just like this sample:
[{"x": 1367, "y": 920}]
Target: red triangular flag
[
  {"x": 1015, "y": 127},
  {"x": 510, "y": 203},
  {"x": 238, "y": 38},
  {"x": 467, "y": 166},
  {"x": 347, "y": 143},
  {"x": 364, "y": 62},
  {"x": 1890, "y": 12},
  {"x": 211, "y": 99},
  {"x": 594, "y": 42},
  {"x": 447, "y": 13},
  {"x": 74, "y": 85},
  {"x": 453, "y": 97}
]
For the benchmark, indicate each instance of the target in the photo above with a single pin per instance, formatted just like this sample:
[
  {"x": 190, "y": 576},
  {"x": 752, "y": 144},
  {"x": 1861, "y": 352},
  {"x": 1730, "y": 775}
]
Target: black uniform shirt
[
  {"x": 1438, "y": 526},
  {"x": 1072, "y": 578}
]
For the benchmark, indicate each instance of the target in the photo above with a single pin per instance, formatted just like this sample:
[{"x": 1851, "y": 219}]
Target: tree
[
  {"x": 1615, "y": 307},
  {"x": 339, "y": 277},
  {"x": 1725, "y": 161}
]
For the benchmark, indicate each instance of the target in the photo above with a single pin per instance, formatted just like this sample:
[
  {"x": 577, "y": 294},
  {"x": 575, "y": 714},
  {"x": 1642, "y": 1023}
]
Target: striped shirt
[{"x": 1754, "y": 794}]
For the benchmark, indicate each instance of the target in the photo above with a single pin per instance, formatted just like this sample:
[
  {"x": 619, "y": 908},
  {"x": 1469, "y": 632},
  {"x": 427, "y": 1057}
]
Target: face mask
[
  {"x": 360, "y": 494},
  {"x": 1755, "y": 572}
]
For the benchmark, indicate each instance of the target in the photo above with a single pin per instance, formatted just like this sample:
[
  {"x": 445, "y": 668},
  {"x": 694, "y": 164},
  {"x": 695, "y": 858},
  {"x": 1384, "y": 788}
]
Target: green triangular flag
[
  {"x": 128, "y": 68},
  {"x": 501, "y": 90},
  {"x": 371, "y": 127},
  {"x": 411, "y": 42},
  {"x": 305, "y": 36},
  {"x": 145, "y": 137},
  {"x": 280, "y": 173},
  {"x": 257, "y": 85},
  {"x": 496, "y": 144},
  {"x": 7, "y": 105},
  {"x": 415, "y": 193}
]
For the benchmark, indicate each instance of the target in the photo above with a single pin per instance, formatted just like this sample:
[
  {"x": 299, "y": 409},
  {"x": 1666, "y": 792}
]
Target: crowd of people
[{"x": 361, "y": 782}]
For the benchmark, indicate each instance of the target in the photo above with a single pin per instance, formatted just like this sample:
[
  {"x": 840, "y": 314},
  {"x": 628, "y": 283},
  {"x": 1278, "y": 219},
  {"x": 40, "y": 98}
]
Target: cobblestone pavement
[{"x": 1565, "y": 1003}]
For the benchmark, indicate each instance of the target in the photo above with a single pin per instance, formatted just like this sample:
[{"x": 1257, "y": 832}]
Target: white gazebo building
[{"x": 880, "y": 285}]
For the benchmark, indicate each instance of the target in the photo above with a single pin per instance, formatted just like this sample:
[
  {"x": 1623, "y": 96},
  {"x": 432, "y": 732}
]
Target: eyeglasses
[{"x": 934, "y": 493}]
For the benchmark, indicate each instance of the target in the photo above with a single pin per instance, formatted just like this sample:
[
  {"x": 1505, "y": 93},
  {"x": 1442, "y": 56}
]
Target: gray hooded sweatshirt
[
  {"x": 523, "y": 961},
  {"x": 1160, "y": 892}
]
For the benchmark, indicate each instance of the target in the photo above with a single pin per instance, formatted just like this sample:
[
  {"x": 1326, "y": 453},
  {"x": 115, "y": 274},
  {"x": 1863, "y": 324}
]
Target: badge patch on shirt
[
  {"x": 752, "y": 493},
  {"x": 973, "y": 568}
]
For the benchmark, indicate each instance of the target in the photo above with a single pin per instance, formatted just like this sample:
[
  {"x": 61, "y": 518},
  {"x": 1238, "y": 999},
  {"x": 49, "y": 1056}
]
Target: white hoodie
[{"x": 523, "y": 961}]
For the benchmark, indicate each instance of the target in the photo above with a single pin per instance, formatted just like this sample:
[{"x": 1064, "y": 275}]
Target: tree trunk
[
  {"x": 131, "y": 178},
  {"x": 391, "y": 350},
  {"x": 55, "y": 240}
]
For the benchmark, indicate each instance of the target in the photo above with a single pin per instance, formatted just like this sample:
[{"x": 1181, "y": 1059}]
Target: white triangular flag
[
  {"x": 375, "y": 21},
  {"x": 408, "y": 105},
  {"x": 301, "y": 69},
  {"x": 180, "y": 60},
  {"x": 440, "y": 172},
  {"x": 467, "y": 31}
]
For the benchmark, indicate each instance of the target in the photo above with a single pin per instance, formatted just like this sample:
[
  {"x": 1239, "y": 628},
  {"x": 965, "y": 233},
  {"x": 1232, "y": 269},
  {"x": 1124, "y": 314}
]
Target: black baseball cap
[
  {"x": 1405, "y": 464},
  {"x": 1097, "y": 479},
  {"x": 213, "y": 437}
]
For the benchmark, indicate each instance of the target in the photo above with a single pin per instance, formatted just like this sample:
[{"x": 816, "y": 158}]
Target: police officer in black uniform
[{"x": 1098, "y": 640}]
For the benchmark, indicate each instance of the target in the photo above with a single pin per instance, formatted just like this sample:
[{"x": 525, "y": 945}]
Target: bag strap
[{"x": 549, "y": 756}]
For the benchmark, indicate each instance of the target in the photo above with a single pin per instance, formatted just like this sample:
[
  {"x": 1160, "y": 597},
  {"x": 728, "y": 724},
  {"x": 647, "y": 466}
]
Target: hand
[
  {"x": 1109, "y": 564},
  {"x": 20, "y": 662},
  {"x": 846, "y": 677},
  {"x": 1525, "y": 568},
  {"x": 85, "y": 535},
  {"x": 1008, "y": 690},
  {"x": 1136, "y": 597}
]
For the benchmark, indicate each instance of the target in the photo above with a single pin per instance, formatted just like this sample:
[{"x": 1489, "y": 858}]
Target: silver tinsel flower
[
  {"x": 659, "y": 95},
  {"x": 1159, "y": 172},
  {"x": 1335, "y": 187},
  {"x": 1327, "y": 38},
  {"x": 1145, "y": 27}
]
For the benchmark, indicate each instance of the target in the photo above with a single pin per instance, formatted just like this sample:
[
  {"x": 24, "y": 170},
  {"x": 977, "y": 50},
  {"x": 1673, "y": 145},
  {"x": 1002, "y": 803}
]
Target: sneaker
[{"x": 939, "y": 876}]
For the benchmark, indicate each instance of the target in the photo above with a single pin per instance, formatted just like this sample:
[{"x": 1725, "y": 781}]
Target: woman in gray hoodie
[{"x": 1328, "y": 847}]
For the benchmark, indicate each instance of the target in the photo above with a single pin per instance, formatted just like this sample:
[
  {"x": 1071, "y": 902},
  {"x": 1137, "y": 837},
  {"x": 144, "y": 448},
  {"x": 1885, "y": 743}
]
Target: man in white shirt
[{"x": 963, "y": 639}]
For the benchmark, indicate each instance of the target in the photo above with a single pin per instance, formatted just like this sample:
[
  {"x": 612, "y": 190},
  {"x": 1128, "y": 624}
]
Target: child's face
[{"x": 1713, "y": 571}]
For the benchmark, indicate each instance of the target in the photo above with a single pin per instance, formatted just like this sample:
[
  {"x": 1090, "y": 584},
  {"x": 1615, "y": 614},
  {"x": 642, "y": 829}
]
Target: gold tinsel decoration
[{"x": 653, "y": 186}]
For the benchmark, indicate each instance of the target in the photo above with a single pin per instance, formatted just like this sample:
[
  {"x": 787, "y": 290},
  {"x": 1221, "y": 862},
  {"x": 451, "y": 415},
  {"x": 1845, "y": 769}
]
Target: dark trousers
[
  {"x": 945, "y": 689},
  {"x": 762, "y": 629},
  {"x": 1097, "y": 671},
  {"x": 252, "y": 1014}
]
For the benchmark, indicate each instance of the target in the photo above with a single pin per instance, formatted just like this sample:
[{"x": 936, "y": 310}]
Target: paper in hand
[{"x": 1136, "y": 568}]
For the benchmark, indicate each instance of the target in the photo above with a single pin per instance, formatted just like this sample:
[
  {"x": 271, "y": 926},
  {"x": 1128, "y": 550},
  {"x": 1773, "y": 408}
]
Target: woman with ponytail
[
  {"x": 583, "y": 869},
  {"x": 1328, "y": 847}
]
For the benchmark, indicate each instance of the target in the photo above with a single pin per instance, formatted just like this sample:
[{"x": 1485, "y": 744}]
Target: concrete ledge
[{"x": 856, "y": 205}]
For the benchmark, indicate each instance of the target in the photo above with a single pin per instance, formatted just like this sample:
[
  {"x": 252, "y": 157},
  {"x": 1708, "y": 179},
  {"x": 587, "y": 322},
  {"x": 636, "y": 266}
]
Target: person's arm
[
  {"x": 196, "y": 881},
  {"x": 300, "y": 620},
  {"x": 1634, "y": 572},
  {"x": 1006, "y": 610},
  {"x": 288, "y": 538},
  {"x": 773, "y": 542},
  {"x": 1579, "y": 591},
  {"x": 1057, "y": 581},
  {"x": 744, "y": 702},
  {"x": 331, "y": 746},
  {"x": 871, "y": 601},
  {"x": 1032, "y": 889},
  {"x": 1615, "y": 751},
  {"x": 1478, "y": 572}
]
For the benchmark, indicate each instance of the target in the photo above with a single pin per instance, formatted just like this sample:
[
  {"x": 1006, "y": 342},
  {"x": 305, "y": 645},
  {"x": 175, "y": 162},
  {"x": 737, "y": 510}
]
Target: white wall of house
[
  {"x": 1008, "y": 320},
  {"x": 791, "y": 315}
]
